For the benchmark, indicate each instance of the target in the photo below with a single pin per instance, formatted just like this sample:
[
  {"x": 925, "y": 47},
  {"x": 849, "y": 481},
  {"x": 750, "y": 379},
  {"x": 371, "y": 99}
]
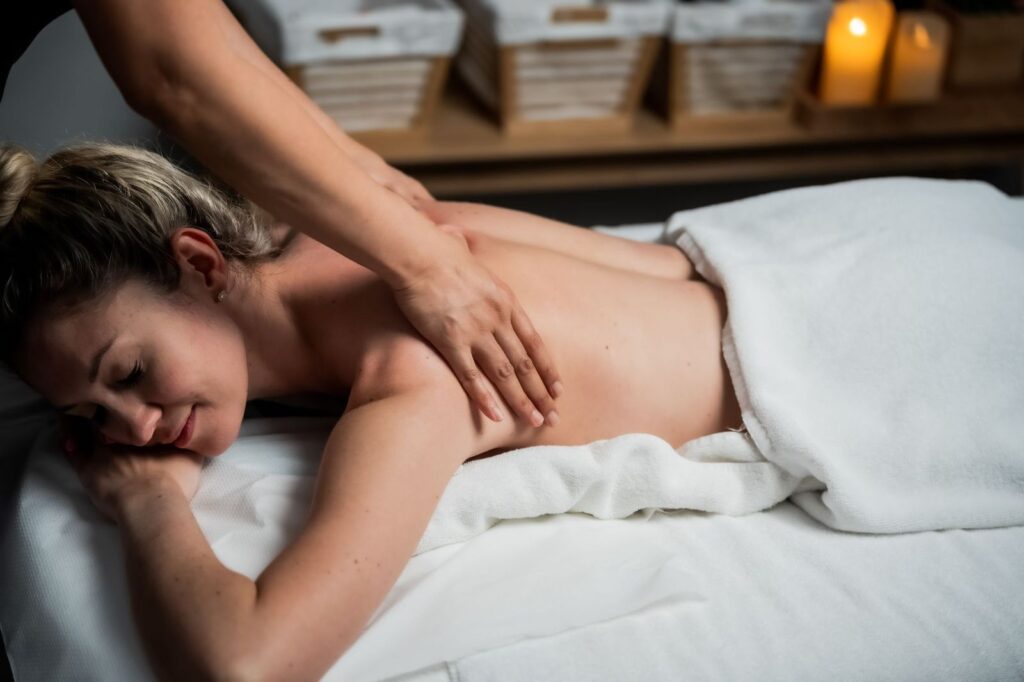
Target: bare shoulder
[
  {"x": 399, "y": 363},
  {"x": 407, "y": 364}
]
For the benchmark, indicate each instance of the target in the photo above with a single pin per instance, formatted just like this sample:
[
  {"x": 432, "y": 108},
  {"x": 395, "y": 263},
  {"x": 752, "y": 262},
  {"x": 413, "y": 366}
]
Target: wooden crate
[
  {"x": 736, "y": 63},
  {"x": 745, "y": 81},
  {"x": 378, "y": 96},
  {"x": 584, "y": 84},
  {"x": 372, "y": 67}
]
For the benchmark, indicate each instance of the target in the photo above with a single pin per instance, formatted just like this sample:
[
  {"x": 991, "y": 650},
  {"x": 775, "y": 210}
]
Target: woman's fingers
[{"x": 514, "y": 374}]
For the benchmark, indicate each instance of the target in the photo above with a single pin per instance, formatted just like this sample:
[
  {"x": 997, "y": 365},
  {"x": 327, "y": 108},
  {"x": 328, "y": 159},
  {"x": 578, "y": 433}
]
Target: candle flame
[
  {"x": 921, "y": 38},
  {"x": 858, "y": 27}
]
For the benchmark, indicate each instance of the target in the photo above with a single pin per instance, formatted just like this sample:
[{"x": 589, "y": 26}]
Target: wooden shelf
[{"x": 463, "y": 151}]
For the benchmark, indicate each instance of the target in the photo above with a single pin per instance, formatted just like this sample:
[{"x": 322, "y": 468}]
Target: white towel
[
  {"x": 609, "y": 479},
  {"x": 874, "y": 336}
]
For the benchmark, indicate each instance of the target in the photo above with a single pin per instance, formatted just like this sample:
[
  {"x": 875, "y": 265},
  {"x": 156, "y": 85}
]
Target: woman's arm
[
  {"x": 176, "y": 64},
  {"x": 385, "y": 467}
]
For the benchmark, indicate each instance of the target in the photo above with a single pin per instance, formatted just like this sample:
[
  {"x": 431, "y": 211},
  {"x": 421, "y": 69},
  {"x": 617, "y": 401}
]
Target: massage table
[{"x": 656, "y": 595}]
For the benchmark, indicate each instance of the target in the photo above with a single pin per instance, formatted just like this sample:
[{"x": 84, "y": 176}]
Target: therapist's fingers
[
  {"x": 410, "y": 190},
  {"x": 460, "y": 307},
  {"x": 473, "y": 383},
  {"x": 522, "y": 382},
  {"x": 538, "y": 352},
  {"x": 503, "y": 375},
  {"x": 418, "y": 194}
]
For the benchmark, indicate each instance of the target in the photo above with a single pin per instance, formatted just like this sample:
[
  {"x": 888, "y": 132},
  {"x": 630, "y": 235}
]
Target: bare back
[
  {"x": 636, "y": 353},
  {"x": 640, "y": 353}
]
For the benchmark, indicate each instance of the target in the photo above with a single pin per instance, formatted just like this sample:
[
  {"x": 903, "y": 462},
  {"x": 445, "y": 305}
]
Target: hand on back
[{"x": 475, "y": 321}]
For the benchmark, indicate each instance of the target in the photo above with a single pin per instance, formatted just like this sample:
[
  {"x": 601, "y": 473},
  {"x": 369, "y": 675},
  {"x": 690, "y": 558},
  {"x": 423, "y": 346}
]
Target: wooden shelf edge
[
  {"x": 680, "y": 169},
  {"x": 463, "y": 132}
]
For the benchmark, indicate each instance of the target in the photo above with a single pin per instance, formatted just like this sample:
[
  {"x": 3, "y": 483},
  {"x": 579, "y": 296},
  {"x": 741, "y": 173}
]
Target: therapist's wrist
[{"x": 411, "y": 265}]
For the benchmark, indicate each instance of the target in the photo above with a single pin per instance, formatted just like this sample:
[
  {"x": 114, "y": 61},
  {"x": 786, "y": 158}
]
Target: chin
[{"x": 219, "y": 438}]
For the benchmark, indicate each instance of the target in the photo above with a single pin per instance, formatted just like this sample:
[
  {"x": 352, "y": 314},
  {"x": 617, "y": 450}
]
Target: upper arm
[
  {"x": 384, "y": 468},
  {"x": 152, "y": 48}
]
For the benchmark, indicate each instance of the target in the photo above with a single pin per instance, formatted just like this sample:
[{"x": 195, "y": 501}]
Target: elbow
[{"x": 161, "y": 91}]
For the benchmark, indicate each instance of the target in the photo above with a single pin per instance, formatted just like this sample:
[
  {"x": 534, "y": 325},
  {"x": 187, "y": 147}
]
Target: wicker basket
[
  {"x": 371, "y": 66},
  {"x": 730, "y": 62},
  {"x": 544, "y": 66}
]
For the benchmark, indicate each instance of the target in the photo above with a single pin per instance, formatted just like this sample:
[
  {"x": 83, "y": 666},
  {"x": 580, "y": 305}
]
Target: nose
[{"x": 132, "y": 424}]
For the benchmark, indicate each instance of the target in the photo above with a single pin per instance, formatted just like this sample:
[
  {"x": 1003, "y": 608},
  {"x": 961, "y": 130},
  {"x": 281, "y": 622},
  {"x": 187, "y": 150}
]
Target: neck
[{"x": 281, "y": 360}]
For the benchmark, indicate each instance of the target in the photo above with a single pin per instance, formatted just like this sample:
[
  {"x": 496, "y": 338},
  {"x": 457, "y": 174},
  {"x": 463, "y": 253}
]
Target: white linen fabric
[{"x": 874, "y": 339}]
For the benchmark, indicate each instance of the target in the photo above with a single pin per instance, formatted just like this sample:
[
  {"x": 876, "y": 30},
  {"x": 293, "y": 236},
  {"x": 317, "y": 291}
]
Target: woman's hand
[
  {"x": 110, "y": 473},
  {"x": 475, "y": 321}
]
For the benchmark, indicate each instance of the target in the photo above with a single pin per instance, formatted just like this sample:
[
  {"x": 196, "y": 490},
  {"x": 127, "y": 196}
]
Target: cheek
[
  {"x": 205, "y": 366},
  {"x": 221, "y": 381},
  {"x": 218, "y": 429}
]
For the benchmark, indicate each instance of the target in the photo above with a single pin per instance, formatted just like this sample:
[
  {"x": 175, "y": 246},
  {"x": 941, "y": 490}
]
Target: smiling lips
[{"x": 186, "y": 430}]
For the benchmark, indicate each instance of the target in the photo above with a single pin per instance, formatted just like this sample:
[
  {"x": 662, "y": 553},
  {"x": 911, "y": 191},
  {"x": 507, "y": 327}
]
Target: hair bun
[{"x": 18, "y": 170}]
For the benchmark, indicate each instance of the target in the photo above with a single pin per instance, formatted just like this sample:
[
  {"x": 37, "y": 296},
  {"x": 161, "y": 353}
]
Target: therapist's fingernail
[
  {"x": 557, "y": 388},
  {"x": 552, "y": 418},
  {"x": 536, "y": 418}
]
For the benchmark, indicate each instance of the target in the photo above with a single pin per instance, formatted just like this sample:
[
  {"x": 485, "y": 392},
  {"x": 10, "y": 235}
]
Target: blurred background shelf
[{"x": 463, "y": 152}]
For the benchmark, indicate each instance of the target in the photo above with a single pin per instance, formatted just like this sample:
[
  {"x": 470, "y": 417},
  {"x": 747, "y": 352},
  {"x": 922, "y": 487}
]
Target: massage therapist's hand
[
  {"x": 475, "y": 321},
  {"x": 385, "y": 175},
  {"x": 111, "y": 473}
]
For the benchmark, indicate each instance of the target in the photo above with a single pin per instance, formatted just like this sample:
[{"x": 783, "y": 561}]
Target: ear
[{"x": 204, "y": 270}]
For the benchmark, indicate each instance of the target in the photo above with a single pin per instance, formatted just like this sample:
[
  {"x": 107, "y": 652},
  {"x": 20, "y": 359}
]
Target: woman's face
[{"x": 141, "y": 365}]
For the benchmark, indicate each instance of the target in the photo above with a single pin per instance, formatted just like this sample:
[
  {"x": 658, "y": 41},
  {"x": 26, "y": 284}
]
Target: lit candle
[
  {"x": 854, "y": 48},
  {"x": 919, "y": 57}
]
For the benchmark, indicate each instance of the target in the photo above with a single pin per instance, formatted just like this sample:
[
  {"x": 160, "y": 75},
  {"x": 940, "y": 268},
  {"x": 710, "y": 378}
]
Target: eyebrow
[{"x": 94, "y": 367}]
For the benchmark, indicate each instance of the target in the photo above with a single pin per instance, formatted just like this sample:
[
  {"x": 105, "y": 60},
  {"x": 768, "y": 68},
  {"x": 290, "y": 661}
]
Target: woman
[
  {"x": 190, "y": 68},
  {"x": 142, "y": 300}
]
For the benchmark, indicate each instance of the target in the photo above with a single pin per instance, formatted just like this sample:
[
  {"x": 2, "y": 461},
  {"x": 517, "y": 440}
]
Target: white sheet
[{"x": 772, "y": 595}]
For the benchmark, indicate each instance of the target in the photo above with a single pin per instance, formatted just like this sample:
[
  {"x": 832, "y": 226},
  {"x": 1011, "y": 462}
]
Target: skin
[
  {"x": 190, "y": 68},
  {"x": 640, "y": 352}
]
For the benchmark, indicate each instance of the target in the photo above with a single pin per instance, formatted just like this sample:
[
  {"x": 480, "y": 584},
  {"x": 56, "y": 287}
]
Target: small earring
[{"x": 221, "y": 296}]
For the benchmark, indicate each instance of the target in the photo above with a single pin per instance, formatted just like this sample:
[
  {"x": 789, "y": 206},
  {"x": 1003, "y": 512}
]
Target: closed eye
[{"x": 133, "y": 377}]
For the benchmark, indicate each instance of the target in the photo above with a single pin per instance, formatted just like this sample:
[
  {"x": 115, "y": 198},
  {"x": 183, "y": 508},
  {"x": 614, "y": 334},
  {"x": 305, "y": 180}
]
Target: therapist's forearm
[{"x": 266, "y": 146}]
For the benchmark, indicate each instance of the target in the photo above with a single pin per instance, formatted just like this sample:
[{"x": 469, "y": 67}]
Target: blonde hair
[{"x": 91, "y": 217}]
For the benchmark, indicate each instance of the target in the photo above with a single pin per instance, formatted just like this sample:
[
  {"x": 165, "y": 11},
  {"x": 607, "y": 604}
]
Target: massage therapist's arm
[
  {"x": 185, "y": 65},
  {"x": 385, "y": 466}
]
